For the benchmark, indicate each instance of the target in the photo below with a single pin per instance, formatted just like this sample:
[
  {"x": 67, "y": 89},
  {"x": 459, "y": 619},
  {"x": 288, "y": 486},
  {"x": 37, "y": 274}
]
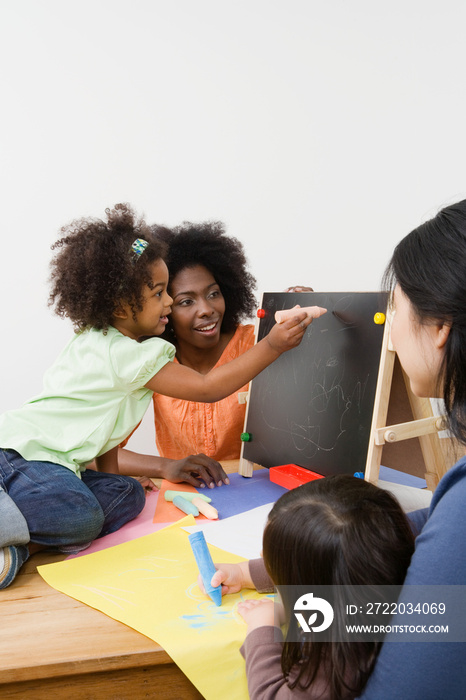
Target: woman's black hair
[
  {"x": 335, "y": 531},
  {"x": 95, "y": 267},
  {"x": 208, "y": 245},
  {"x": 429, "y": 264}
]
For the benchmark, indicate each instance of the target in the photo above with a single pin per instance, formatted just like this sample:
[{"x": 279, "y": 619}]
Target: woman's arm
[
  {"x": 108, "y": 462},
  {"x": 433, "y": 668},
  {"x": 197, "y": 470}
]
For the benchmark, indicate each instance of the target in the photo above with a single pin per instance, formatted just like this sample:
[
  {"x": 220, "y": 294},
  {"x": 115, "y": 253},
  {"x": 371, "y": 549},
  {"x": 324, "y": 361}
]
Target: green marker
[{"x": 170, "y": 495}]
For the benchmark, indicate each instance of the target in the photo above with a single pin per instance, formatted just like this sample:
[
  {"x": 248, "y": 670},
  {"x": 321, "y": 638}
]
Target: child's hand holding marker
[
  {"x": 205, "y": 565},
  {"x": 231, "y": 577}
]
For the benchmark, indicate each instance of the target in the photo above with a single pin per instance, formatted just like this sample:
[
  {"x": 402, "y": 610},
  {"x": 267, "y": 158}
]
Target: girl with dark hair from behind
[{"x": 337, "y": 531}]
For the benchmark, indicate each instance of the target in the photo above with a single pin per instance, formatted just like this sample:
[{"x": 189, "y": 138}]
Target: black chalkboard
[{"x": 313, "y": 406}]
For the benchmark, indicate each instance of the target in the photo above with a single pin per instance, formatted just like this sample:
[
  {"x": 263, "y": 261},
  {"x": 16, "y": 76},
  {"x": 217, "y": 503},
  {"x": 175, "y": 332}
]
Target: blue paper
[{"x": 245, "y": 493}]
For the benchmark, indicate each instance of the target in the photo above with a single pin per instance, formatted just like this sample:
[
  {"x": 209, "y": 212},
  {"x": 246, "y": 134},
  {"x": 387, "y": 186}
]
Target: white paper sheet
[
  {"x": 409, "y": 498},
  {"x": 240, "y": 534}
]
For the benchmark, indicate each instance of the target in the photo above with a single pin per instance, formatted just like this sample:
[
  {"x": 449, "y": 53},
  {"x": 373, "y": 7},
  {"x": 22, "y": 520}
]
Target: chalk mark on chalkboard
[{"x": 306, "y": 437}]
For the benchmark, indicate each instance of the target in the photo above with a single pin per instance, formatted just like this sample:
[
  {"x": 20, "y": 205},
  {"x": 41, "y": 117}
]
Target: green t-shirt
[{"x": 93, "y": 397}]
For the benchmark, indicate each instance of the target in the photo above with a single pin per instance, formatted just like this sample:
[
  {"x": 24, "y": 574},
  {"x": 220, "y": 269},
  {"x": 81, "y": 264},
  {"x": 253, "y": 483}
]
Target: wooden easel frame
[{"x": 424, "y": 424}]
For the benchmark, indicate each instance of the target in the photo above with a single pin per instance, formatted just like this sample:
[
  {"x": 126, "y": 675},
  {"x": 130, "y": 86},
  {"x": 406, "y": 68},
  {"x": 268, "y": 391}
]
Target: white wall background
[{"x": 319, "y": 132}]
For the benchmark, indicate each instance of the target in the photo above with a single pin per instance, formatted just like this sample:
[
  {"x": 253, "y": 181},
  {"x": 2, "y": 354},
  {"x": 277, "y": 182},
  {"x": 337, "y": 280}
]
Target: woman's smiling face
[{"x": 198, "y": 307}]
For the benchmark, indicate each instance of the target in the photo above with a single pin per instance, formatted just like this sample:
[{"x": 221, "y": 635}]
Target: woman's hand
[
  {"x": 197, "y": 470},
  {"x": 299, "y": 288}
]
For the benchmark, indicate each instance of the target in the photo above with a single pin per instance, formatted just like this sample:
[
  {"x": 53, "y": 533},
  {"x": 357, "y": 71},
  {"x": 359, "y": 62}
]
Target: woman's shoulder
[
  {"x": 452, "y": 485},
  {"x": 242, "y": 339},
  {"x": 245, "y": 331},
  {"x": 440, "y": 554}
]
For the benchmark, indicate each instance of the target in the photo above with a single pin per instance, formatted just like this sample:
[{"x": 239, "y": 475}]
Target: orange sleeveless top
[{"x": 187, "y": 427}]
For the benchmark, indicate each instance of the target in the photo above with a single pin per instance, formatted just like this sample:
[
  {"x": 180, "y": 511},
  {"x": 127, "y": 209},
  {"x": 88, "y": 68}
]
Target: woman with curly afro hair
[
  {"x": 213, "y": 293},
  {"x": 110, "y": 279}
]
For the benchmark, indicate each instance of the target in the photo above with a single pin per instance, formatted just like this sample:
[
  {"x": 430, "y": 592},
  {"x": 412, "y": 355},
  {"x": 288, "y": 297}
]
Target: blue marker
[{"x": 205, "y": 565}]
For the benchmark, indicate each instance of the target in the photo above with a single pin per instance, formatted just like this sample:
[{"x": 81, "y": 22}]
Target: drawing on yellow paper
[{"x": 150, "y": 584}]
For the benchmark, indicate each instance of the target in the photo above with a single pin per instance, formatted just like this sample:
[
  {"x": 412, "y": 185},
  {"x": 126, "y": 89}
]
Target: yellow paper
[{"x": 150, "y": 584}]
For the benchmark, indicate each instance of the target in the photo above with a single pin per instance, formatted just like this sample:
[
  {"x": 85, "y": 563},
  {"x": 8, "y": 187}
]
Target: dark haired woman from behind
[
  {"x": 329, "y": 532},
  {"x": 427, "y": 279}
]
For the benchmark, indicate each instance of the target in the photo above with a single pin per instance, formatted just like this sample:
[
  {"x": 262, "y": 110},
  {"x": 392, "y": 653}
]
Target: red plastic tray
[{"x": 290, "y": 475}]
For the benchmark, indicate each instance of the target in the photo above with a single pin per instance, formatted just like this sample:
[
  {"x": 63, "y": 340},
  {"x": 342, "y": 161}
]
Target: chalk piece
[
  {"x": 246, "y": 437},
  {"x": 169, "y": 495},
  {"x": 260, "y": 313},
  {"x": 205, "y": 565},
  {"x": 379, "y": 318},
  {"x": 310, "y": 311},
  {"x": 206, "y": 509},
  {"x": 185, "y": 505}
]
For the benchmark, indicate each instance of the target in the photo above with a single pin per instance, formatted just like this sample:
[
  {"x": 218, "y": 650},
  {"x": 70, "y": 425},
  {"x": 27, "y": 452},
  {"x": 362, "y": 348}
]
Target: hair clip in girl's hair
[{"x": 139, "y": 246}]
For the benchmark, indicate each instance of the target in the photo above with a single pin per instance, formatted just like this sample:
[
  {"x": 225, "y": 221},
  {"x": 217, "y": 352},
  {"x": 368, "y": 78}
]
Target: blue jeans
[
  {"x": 62, "y": 510},
  {"x": 13, "y": 526}
]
